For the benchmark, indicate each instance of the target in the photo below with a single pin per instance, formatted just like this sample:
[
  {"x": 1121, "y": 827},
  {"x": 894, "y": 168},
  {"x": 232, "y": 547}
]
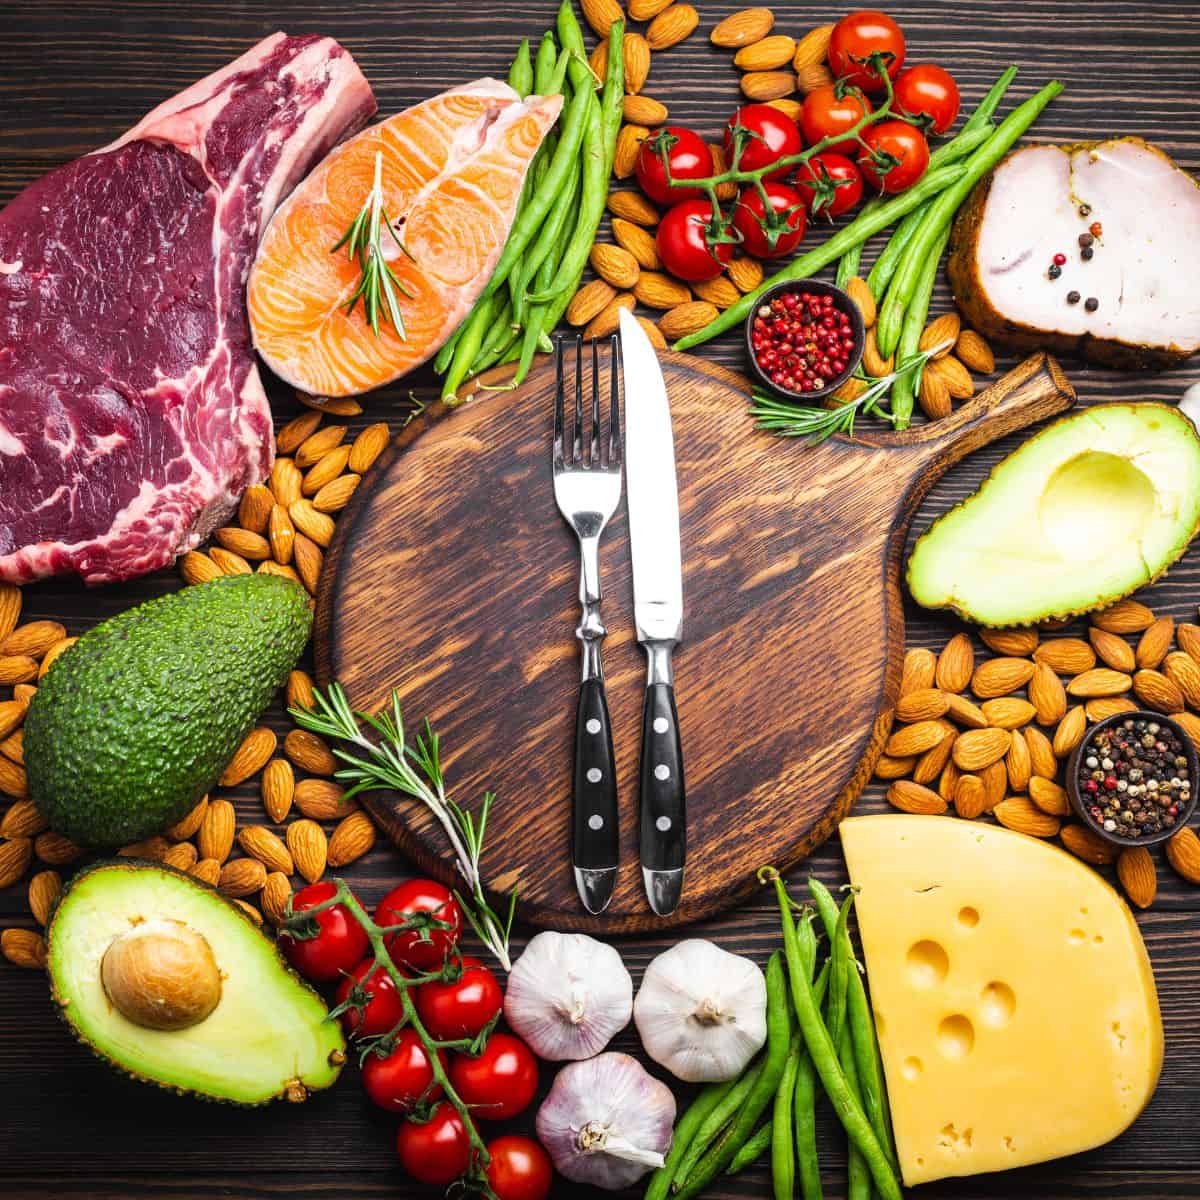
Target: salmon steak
[{"x": 452, "y": 171}]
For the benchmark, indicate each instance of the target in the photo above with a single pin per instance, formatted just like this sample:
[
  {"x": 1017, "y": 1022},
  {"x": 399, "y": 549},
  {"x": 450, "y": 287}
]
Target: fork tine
[
  {"x": 595, "y": 444},
  {"x": 614, "y": 421},
  {"x": 558, "y": 404},
  {"x": 578, "y": 438}
]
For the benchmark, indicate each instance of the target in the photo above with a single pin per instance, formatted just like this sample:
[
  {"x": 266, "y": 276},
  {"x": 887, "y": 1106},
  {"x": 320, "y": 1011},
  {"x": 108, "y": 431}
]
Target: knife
[{"x": 653, "y": 501}]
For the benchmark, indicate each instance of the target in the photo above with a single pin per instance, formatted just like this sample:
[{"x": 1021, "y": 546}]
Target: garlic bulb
[
  {"x": 701, "y": 1011},
  {"x": 607, "y": 1121},
  {"x": 567, "y": 996}
]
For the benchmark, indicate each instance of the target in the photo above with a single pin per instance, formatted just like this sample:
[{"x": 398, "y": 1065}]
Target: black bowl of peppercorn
[
  {"x": 1133, "y": 778},
  {"x": 805, "y": 339}
]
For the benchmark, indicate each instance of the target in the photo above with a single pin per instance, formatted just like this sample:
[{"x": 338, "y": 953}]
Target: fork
[{"x": 587, "y": 490}]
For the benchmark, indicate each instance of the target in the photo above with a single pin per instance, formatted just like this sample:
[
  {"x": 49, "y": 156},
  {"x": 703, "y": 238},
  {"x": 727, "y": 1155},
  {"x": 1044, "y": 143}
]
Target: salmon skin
[{"x": 453, "y": 167}]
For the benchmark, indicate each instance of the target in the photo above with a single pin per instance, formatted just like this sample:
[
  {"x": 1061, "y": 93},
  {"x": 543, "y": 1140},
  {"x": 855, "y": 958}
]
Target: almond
[
  {"x": 918, "y": 671},
  {"x": 250, "y": 757},
  {"x": 33, "y": 638},
  {"x": 969, "y": 796},
  {"x": 229, "y": 563},
  {"x": 1008, "y": 712},
  {"x": 1188, "y": 637},
  {"x": 860, "y": 293},
  {"x": 17, "y": 668},
  {"x": 979, "y": 748},
  {"x": 1154, "y": 643},
  {"x": 933, "y": 762},
  {"x": 720, "y": 292},
  {"x": 55, "y": 850},
  {"x": 914, "y": 739},
  {"x": 974, "y": 353},
  {"x": 309, "y": 752},
  {"x": 1047, "y": 694},
  {"x": 286, "y": 479},
  {"x": 1001, "y": 677},
  {"x": 22, "y": 820},
  {"x": 925, "y": 704},
  {"x": 278, "y": 788},
  {"x": 259, "y": 842},
  {"x": 963, "y": 712},
  {"x": 643, "y": 110},
  {"x": 995, "y": 783},
  {"x": 934, "y": 396},
  {"x": 809, "y": 79},
  {"x": 767, "y": 54},
  {"x": 1070, "y": 731},
  {"x": 729, "y": 189},
  {"x": 275, "y": 897},
  {"x": 271, "y": 567},
  {"x": 1156, "y": 691},
  {"x": 955, "y": 664},
  {"x": 24, "y": 692},
  {"x": 912, "y": 797},
  {"x": 948, "y": 782},
  {"x": 629, "y": 143},
  {"x": 13, "y": 780},
  {"x": 598, "y": 59},
  {"x": 252, "y": 546},
  {"x": 887, "y": 767},
  {"x": 321, "y": 800},
  {"x": 1183, "y": 853},
  {"x": 309, "y": 848},
  {"x": 1124, "y": 617},
  {"x": 1049, "y": 797},
  {"x": 608, "y": 320},
  {"x": 1108, "y": 706},
  {"x": 743, "y": 28},
  {"x": 44, "y": 889},
  {"x": 1041, "y": 754},
  {"x": 1183, "y": 671},
  {"x": 1023, "y": 816},
  {"x": 368, "y": 446},
  {"x": 335, "y": 495},
  {"x": 601, "y": 14},
  {"x": 182, "y": 856},
  {"x": 24, "y": 948},
  {"x": 317, "y": 526},
  {"x": 1112, "y": 650},
  {"x": 1085, "y": 843},
  {"x": 646, "y": 10},
  {"x": 249, "y": 910},
  {"x": 281, "y": 533},
  {"x": 958, "y": 379},
  {"x": 13, "y": 747},
  {"x": 186, "y": 827},
  {"x": 292, "y": 435},
  {"x": 746, "y": 273},
  {"x": 790, "y": 107},
  {"x": 1135, "y": 870},
  {"x": 215, "y": 836},
  {"x": 207, "y": 870},
  {"x": 242, "y": 877},
  {"x": 941, "y": 331},
  {"x": 589, "y": 302},
  {"x": 331, "y": 406},
  {"x": 15, "y": 855},
  {"x": 614, "y": 265},
  {"x": 636, "y": 52},
  {"x": 813, "y": 48},
  {"x": 351, "y": 839},
  {"x": 633, "y": 206},
  {"x": 873, "y": 362},
  {"x": 636, "y": 241},
  {"x": 318, "y": 445},
  {"x": 1099, "y": 681},
  {"x": 324, "y": 471},
  {"x": 672, "y": 26},
  {"x": 1018, "y": 764},
  {"x": 10, "y": 608},
  {"x": 258, "y": 500},
  {"x": 197, "y": 567},
  {"x": 768, "y": 85},
  {"x": 847, "y": 392},
  {"x": 309, "y": 560},
  {"x": 687, "y": 318},
  {"x": 656, "y": 290}
]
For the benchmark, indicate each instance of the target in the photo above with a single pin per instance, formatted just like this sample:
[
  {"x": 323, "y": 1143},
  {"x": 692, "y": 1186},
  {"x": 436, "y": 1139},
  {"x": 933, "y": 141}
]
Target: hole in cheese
[
  {"x": 968, "y": 916},
  {"x": 997, "y": 1004},
  {"x": 928, "y": 963},
  {"x": 912, "y": 1068},
  {"x": 956, "y": 1036}
]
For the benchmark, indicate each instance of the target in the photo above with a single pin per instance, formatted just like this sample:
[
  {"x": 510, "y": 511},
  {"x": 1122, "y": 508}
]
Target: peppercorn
[
  {"x": 1072, "y": 297},
  {"x": 1086, "y": 239},
  {"x": 1054, "y": 272},
  {"x": 1059, "y": 259},
  {"x": 1096, "y": 228},
  {"x": 1091, "y": 304},
  {"x": 1086, "y": 253},
  {"x": 1085, "y": 210},
  {"x": 801, "y": 341}
]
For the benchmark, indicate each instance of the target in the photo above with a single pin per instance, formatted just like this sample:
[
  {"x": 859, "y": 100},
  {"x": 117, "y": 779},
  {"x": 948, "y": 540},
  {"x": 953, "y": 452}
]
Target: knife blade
[{"x": 653, "y": 505}]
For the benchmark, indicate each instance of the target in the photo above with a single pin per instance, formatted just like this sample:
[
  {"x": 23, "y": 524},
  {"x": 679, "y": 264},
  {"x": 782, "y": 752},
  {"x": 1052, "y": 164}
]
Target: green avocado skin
[{"x": 136, "y": 721}]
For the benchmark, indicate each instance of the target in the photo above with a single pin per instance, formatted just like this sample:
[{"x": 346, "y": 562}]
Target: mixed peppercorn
[
  {"x": 802, "y": 341},
  {"x": 1134, "y": 778}
]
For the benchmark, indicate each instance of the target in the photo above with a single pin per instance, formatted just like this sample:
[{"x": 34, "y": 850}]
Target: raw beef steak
[{"x": 132, "y": 415}]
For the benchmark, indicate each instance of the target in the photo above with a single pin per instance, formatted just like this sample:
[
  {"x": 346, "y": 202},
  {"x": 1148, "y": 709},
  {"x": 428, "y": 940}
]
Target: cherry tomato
[
  {"x": 855, "y": 38},
  {"x": 682, "y": 242},
  {"x": 463, "y": 1008},
  {"x": 421, "y": 949},
  {"x": 771, "y": 136},
  {"x": 930, "y": 92},
  {"x": 830, "y": 184},
  {"x": 501, "y": 1081},
  {"x": 384, "y": 1007},
  {"x": 519, "y": 1169},
  {"x": 895, "y": 156},
  {"x": 339, "y": 944},
  {"x": 403, "y": 1077},
  {"x": 436, "y": 1151},
  {"x": 688, "y": 156},
  {"x": 787, "y": 225},
  {"x": 825, "y": 114}
]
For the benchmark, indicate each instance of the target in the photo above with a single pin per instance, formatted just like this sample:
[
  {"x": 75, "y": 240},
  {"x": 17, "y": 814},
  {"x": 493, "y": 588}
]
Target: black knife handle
[
  {"x": 663, "y": 795},
  {"x": 595, "y": 794}
]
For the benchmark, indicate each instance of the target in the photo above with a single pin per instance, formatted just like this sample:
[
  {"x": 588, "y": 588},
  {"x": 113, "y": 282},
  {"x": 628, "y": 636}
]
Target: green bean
[
  {"x": 849, "y": 262},
  {"x": 716, "y": 1120},
  {"x": 544, "y": 64},
  {"x": 446, "y": 353},
  {"x": 752, "y": 1151},
  {"x": 988, "y": 105},
  {"x": 890, "y": 256},
  {"x": 858, "y": 1178},
  {"x": 478, "y": 322},
  {"x": 721, "y": 1155},
  {"x": 685, "y": 1132},
  {"x": 520, "y": 74},
  {"x": 904, "y": 389},
  {"x": 838, "y": 955},
  {"x": 833, "y": 1079},
  {"x": 861, "y": 228},
  {"x": 804, "y": 1120},
  {"x": 493, "y": 341},
  {"x": 942, "y": 210},
  {"x": 783, "y": 1158}
]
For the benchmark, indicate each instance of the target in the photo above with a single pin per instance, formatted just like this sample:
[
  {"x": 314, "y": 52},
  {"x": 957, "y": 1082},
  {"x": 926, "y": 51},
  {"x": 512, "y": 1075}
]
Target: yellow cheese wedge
[{"x": 1013, "y": 996}]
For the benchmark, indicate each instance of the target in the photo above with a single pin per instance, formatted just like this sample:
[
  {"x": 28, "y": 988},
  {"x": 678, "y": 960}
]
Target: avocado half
[
  {"x": 264, "y": 1034},
  {"x": 1089, "y": 510}
]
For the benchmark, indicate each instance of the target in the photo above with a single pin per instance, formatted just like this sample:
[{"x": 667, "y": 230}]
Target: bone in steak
[{"x": 132, "y": 415}]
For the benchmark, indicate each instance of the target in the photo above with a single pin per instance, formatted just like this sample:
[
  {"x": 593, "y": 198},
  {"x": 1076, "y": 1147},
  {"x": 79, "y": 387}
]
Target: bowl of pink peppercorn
[{"x": 805, "y": 338}]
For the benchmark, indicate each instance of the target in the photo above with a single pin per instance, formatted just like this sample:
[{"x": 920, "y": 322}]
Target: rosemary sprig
[
  {"x": 415, "y": 771},
  {"x": 786, "y": 419},
  {"x": 377, "y": 284}
]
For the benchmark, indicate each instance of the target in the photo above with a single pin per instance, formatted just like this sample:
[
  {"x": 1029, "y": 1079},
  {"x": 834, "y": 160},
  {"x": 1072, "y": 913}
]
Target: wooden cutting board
[{"x": 453, "y": 579}]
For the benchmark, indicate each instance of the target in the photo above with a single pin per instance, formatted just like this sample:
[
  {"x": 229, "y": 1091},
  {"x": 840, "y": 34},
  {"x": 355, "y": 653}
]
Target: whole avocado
[{"x": 138, "y": 719}]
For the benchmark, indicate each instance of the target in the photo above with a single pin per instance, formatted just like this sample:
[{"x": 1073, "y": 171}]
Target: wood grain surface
[
  {"x": 463, "y": 600},
  {"x": 78, "y": 74}
]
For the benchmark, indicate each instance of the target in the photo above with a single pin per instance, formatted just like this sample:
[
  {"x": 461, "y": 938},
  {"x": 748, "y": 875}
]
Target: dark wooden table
[{"x": 77, "y": 74}]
